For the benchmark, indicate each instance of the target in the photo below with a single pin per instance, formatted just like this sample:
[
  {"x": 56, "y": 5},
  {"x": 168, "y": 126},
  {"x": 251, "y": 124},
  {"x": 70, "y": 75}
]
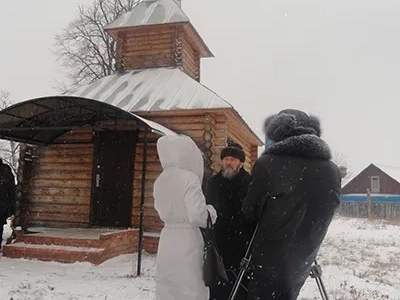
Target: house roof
[
  {"x": 150, "y": 12},
  {"x": 156, "y": 12},
  {"x": 151, "y": 90},
  {"x": 392, "y": 171}
]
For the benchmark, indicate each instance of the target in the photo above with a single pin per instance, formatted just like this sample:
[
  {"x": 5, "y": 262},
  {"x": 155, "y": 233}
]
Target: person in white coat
[{"x": 180, "y": 203}]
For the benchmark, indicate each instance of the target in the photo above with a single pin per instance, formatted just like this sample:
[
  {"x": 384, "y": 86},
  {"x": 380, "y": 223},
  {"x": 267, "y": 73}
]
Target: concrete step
[
  {"x": 71, "y": 245},
  {"x": 59, "y": 241},
  {"x": 150, "y": 242}
]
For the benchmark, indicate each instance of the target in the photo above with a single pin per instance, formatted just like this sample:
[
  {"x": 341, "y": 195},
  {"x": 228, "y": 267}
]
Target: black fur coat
[{"x": 294, "y": 194}]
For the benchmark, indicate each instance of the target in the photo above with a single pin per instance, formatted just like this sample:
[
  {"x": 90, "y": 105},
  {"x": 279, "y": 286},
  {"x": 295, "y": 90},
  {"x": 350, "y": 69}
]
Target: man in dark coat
[
  {"x": 225, "y": 191},
  {"x": 7, "y": 195},
  {"x": 294, "y": 194}
]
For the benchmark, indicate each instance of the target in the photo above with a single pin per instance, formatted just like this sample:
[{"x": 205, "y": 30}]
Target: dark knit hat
[
  {"x": 234, "y": 150},
  {"x": 291, "y": 122}
]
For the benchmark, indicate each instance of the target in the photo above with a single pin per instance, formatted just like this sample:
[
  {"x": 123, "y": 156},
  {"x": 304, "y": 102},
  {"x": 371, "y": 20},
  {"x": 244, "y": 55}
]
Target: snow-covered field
[{"x": 360, "y": 260}]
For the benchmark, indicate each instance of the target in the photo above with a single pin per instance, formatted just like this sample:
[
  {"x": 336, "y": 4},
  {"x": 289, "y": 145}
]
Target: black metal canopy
[{"x": 43, "y": 120}]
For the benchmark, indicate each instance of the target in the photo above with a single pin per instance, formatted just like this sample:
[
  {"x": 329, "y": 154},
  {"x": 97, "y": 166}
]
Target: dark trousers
[
  {"x": 261, "y": 288},
  {"x": 223, "y": 290}
]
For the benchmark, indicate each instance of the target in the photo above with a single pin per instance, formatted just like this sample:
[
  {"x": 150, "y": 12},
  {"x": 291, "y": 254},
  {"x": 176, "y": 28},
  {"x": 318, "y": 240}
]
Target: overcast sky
[{"x": 338, "y": 59}]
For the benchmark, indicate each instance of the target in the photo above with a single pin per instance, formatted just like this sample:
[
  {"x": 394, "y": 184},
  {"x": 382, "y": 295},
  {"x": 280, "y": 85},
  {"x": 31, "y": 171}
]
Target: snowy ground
[{"x": 360, "y": 260}]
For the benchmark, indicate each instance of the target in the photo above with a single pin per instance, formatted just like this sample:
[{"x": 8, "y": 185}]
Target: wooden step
[{"x": 63, "y": 254}]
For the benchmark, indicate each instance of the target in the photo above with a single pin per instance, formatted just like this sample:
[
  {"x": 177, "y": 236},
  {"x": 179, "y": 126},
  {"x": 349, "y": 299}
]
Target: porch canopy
[{"x": 42, "y": 120}]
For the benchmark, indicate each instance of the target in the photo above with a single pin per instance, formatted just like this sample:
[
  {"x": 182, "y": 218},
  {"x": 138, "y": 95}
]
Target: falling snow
[{"x": 359, "y": 260}]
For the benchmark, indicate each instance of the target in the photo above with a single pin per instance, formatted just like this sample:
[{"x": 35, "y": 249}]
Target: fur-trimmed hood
[
  {"x": 306, "y": 146},
  {"x": 295, "y": 133},
  {"x": 291, "y": 122}
]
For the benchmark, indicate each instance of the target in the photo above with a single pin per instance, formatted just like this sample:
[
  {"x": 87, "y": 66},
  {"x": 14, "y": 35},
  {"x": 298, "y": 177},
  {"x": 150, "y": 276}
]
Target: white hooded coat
[{"x": 181, "y": 205}]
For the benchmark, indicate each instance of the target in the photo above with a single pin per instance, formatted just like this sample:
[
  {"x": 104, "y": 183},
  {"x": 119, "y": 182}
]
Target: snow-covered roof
[
  {"x": 151, "y": 90},
  {"x": 150, "y": 12},
  {"x": 392, "y": 171}
]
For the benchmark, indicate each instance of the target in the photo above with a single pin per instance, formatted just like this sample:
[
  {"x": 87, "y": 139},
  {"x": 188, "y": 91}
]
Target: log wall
[
  {"x": 57, "y": 179},
  {"x": 220, "y": 140},
  {"x": 153, "y": 169},
  {"x": 158, "y": 46},
  {"x": 210, "y": 129},
  {"x": 57, "y": 190},
  {"x": 235, "y": 135},
  {"x": 198, "y": 127},
  {"x": 226, "y": 128}
]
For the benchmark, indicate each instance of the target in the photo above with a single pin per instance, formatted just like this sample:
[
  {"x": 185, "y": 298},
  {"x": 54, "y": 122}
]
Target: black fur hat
[
  {"x": 234, "y": 150},
  {"x": 291, "y": 122}
]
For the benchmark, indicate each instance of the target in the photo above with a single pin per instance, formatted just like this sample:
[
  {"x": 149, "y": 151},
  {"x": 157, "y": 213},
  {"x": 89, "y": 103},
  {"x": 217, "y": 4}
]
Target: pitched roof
[
  {"x": 392, "y": 171},
  {"x": 151, "y": 90},
  {"x": 150, "y": 12},
  {"x": 156, "y": 12}
]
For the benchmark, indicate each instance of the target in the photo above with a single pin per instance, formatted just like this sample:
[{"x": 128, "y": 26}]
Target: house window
[{"x": 375, "y": 186}]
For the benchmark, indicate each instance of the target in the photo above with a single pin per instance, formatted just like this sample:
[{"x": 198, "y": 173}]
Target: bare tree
[
  {"x": 84, "y": 47},
  {"x": 340, "y": 160},
  {"x": 8, "y": 149}
]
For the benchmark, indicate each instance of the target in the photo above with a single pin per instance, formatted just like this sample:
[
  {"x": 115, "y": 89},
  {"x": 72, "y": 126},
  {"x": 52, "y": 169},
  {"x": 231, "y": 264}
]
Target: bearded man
[{"x": 226, "y": 191}]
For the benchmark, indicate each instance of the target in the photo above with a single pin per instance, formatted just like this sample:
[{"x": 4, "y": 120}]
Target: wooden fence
[{"x": 376, "y": 210}]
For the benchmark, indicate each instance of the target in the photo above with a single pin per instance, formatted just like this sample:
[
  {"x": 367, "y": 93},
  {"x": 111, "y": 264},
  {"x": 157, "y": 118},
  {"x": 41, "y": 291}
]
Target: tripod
[
  {"x": 244, "y": 266},
  {"x": 316, "y": 272}
]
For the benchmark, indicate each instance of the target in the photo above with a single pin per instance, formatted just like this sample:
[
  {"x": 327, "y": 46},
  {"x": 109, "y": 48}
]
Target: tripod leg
[
  {"x": 244, "y": 266},
  {"x": 325, "y": 297},
  {"x": 321, "y": 288},
  {"x": 236, "y": 286},
  {"x": 316, "y": 272}
]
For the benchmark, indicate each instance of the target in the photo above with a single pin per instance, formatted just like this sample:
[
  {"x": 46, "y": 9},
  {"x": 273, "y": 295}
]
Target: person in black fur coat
[
  {"x": 233, "y": 231},
  {"x": 293, "y": 195}
]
